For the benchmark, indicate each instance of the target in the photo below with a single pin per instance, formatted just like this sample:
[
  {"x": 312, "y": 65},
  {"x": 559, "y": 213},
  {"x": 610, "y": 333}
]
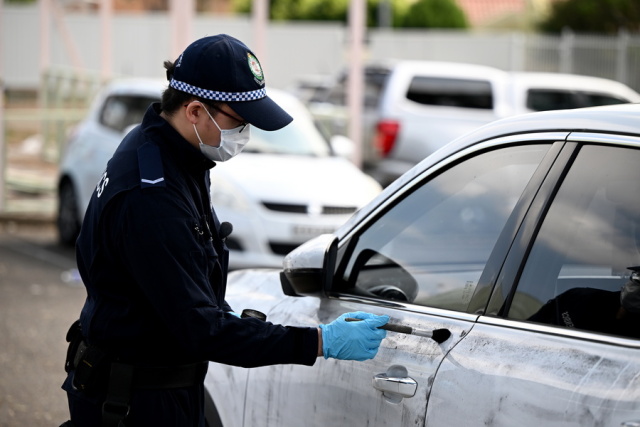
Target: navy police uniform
[{"x": 155, "y": 270}]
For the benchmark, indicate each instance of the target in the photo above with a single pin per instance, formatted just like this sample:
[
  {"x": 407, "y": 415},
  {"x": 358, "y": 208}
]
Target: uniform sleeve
[{"x": 169, "y": 258}]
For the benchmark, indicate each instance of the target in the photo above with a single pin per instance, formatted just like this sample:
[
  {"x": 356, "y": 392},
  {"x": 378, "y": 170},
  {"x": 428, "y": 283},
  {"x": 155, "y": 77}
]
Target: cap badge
[{"x": 255, "y": 67}]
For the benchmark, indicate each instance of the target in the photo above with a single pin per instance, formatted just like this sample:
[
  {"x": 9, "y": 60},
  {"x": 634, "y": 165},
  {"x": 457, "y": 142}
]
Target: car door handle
[
  {"x": 403, "y": 386},
  {"x": 635, "y": 423}
]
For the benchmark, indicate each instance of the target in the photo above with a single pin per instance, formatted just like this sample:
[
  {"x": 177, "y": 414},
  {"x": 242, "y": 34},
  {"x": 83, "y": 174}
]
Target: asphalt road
[{"x": 38, "y": 302}]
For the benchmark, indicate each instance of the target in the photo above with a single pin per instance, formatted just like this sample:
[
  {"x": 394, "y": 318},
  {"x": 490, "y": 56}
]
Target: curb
[{"x": 26, "y": 219}]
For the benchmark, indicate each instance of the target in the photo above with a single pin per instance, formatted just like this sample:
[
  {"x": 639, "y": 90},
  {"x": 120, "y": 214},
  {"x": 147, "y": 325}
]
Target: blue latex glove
[
  {"x": 353, "y": 340},
  {"x": 234, "y": 313}
]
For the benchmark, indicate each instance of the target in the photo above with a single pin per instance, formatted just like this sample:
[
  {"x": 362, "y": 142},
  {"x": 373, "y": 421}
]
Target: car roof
[
  {"x": 444, "y": 68},
  {"x": 572, "y": 82},
  {"x": 140, "y": 86},
  {"x": 136, "y": 84},
  {"x": 620, "y": 118}
]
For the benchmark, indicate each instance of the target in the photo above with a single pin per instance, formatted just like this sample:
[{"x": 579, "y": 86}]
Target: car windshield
[{"x": 299, "y": 138}]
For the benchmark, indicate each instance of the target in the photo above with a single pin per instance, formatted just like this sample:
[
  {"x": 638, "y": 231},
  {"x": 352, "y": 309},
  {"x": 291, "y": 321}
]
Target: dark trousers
[{"x": 179, "y": 407}]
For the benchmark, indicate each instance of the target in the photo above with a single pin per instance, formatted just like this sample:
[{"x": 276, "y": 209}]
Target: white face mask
[{"x": 232, "y": 141}]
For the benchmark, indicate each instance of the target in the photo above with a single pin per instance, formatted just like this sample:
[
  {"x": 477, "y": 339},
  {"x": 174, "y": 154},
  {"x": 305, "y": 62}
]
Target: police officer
[{"x": 152, "y": 256}]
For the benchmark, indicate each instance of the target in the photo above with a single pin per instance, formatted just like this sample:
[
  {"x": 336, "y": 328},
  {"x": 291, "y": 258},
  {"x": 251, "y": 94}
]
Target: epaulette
[{"x": 150, "y": 165}]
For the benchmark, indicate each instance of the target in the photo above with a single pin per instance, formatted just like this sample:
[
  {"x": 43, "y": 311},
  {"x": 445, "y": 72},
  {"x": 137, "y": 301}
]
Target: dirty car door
[
  {"x": 417, "y": 259},
  {"x": 556, "y": 349}
]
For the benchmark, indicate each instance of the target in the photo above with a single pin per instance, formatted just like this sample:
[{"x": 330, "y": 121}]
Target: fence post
[
  {"x": 3, "y": 149},
  {"x": 622, "y": 51},
  {"x": 567, "y": 42},
  {"x": 355, "y": 81},
  {"x": 517, "y": 52}
]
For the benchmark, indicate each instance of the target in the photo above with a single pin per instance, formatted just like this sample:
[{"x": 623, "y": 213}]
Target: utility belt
[{"x": 95, "y": 372}]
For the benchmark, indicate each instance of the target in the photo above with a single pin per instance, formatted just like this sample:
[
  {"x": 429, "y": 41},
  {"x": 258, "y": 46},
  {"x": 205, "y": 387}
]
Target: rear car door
[
  {"x": 419, "y": 259},
  {"x": 553, "y": 347}
]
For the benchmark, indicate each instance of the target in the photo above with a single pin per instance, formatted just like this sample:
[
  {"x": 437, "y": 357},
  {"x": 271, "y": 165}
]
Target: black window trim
[{"x": 515, "y": 260}]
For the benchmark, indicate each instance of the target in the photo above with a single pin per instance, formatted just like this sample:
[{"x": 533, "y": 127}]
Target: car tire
[
  {"x": 211, "y": 412},
  {"x": 68, "y": 220}
]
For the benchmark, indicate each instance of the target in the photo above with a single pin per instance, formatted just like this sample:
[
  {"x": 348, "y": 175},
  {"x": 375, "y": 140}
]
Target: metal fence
[
  {"x": 141, "y": 43},
  {"x": 294, "y": 51},
  {"x": 35, "y": 131},
  {"x": 614, "y": 57}
]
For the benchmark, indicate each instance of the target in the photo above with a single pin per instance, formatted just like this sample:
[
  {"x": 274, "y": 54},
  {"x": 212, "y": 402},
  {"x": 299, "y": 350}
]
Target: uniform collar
[{"x": 169, "y": 140}]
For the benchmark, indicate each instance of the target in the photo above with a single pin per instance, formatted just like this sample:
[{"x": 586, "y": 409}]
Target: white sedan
[{"x": 286, "y": 187}]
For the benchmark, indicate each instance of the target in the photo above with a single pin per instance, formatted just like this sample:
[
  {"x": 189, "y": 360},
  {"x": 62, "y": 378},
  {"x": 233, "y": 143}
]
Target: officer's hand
[
  {"x": 234, "y": 313},
  {"x": 353, "y": 340}
]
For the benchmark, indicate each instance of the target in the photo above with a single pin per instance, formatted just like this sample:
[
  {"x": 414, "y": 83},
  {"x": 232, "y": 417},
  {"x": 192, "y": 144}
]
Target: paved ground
[
  {"x": 37, "y": 301},
  {"x": 37, "y": 304},
  {"x": 30, "y": 181}
]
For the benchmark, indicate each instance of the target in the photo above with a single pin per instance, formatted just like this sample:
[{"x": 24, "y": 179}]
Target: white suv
[
  {"x": 427, "y": 104},
  {"x": 412, "y": 108},
  {"x": 532, "y": 92}
]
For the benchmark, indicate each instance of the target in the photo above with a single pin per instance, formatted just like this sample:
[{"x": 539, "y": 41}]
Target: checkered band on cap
[{"x": 217, "y": 95}]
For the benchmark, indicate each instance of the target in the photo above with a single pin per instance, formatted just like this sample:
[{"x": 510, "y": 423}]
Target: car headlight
[{"x": 227, "y": 194}]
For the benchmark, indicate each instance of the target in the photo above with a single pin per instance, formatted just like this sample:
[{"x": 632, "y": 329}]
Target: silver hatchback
[{"x": 517, "y": 239}]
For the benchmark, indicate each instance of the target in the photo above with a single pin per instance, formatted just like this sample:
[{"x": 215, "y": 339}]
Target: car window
[
  {"x": 554, "y": 99},
  {"x": 121, "y": 111},
  {"x": 301, "y": 138},
  {"x": 374, "y": 80},
  {"x": 589, "y": 237},
  {"x": 430, "y": 248},
  {"x": 451, "y": 92}
]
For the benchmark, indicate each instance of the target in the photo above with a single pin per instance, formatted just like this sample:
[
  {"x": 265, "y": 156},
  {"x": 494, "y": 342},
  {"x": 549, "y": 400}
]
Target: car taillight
[{"x": 386, "y": 133}]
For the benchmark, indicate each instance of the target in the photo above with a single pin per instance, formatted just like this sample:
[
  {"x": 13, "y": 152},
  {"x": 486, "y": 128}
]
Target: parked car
[
  {"x": 531, "y": 91},
  {"x": 474, "y": 240},
  {"x": 412, "y": 108},
  {"x": 425, "y": 104},
  {"x": 285, "y": 188}
]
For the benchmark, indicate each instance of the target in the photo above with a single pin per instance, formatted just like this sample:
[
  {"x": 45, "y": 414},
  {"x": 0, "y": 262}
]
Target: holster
[
  {"x": 95, "y": 372},
  {"x": 89, "y": 362},
  {"x": 74, "y": 338}
]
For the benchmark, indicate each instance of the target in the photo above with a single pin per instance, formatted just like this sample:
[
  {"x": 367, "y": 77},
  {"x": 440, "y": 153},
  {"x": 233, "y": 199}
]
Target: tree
[
  {"x": 284, "y": 10},
  {"x": 398, "y": 8},
  {"x": 326, "y": 10},
  {"x": 289, "y": 10},
  {"x": 429, "y": 13},
  {"x": 595, "y": 16},
  {"x": 435, "y": 14}
]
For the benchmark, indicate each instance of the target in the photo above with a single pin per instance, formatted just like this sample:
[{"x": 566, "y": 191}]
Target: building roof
[{"x": 483, "y": 12}]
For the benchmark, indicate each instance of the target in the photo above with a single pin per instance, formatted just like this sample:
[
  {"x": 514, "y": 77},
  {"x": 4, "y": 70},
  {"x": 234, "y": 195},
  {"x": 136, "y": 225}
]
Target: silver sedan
[{"x": 516, "y": 240}]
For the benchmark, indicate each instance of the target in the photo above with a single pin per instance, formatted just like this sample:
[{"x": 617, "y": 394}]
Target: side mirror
[{"x": 308, "y": 269}]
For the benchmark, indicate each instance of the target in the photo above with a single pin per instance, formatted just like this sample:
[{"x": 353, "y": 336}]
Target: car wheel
[
  {"x": 68, "y": 221},
  {"x": 210, "y": 412}
]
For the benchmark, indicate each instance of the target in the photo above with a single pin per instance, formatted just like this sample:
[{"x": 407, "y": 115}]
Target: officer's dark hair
[{"x": 172, "y": 99}]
